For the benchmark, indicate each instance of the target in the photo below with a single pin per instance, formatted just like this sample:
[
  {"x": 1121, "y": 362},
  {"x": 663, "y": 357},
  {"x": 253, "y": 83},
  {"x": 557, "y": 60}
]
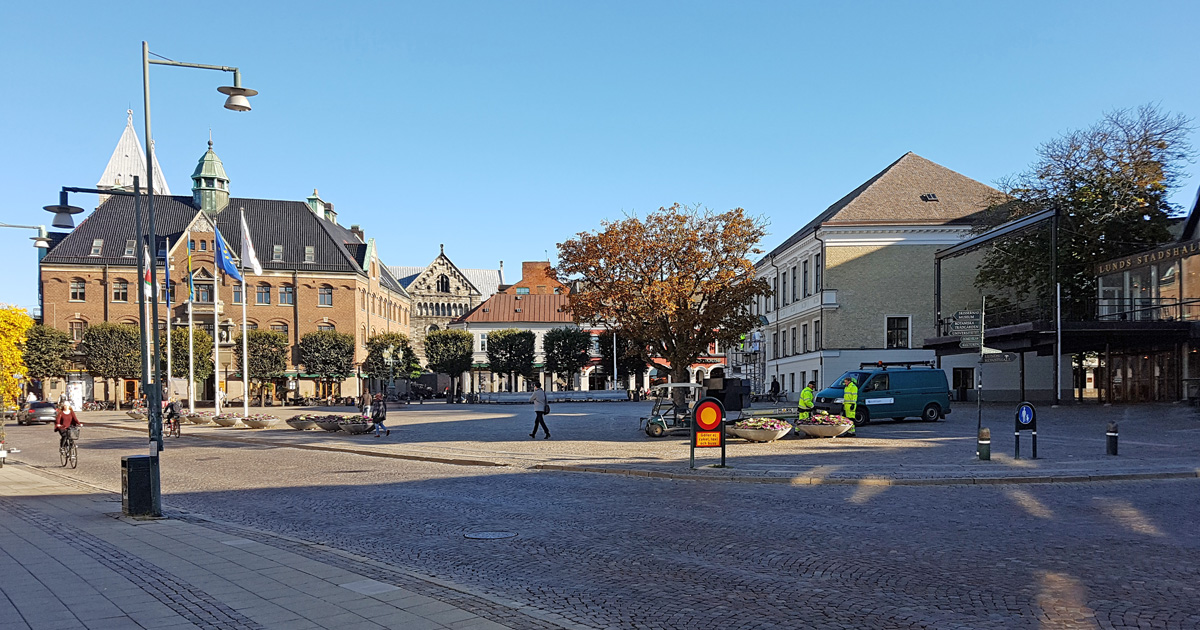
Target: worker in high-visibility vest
[
  {"x": 849, "y": 402},
  {"x": 806, "y": 400}
]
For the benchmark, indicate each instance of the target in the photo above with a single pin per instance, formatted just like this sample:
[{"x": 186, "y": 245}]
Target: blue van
[{"x": 906, "y": 390}]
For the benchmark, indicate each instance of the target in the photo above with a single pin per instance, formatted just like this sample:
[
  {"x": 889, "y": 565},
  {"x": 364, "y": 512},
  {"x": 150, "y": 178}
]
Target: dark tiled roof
[
  {"x": 502, "y": 308},
  {"x": 894, "y": 197},
  {"x": 1193, "y": 217},
  {"x": 271, "y": 222}
]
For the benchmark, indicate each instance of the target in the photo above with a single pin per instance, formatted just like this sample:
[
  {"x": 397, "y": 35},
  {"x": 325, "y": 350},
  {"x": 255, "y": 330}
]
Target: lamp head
[
  {"x": 237, "y": 100},
  {"x": 62, "y": 215}
]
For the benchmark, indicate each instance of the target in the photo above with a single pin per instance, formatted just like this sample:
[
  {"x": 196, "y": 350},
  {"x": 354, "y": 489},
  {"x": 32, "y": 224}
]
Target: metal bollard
[
  {"x": 984, "y": 447},
  {"x": 1112, "y": 438}
]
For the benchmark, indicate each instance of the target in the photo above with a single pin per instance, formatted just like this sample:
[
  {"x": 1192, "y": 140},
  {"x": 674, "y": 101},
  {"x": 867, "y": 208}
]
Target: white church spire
[{"x": 128, "y": 160}]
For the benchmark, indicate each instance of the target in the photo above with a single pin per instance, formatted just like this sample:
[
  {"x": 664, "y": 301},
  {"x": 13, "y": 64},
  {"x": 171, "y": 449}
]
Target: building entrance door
[
  {"x": 1146, "y": 377},
  {"x": 131, "y": 390}
]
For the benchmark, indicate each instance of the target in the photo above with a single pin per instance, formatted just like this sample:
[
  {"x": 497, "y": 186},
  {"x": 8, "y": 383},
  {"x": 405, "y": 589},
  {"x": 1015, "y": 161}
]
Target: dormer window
[
  {"x": 277, "y": 253},
  {"x": 310, "y": 254},
  {"x": 129, "y": 248},
  {"x": 929, "y": 197},
  {"x": 522, "y": 290},
  {"x": 97, "y": 246}
]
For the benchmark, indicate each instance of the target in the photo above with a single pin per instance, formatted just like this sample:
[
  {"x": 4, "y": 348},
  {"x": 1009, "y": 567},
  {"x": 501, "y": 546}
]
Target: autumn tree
[
  {"x": 267, "y": 358},
  {"x": 566, "y": 351},
  {"x": 112, "y": 352},
  {"x": 511, "y": 351},
  {"x": 46, "y": 352},
  {"x": 405, "y": 363},
  {"x": 674, "y": 282},
  {"x": 1110, "y": 183},
  {"x": 14, "y": 323},
  {"x": 202, "y": 364},
  {"x": 449, "y": 352}
]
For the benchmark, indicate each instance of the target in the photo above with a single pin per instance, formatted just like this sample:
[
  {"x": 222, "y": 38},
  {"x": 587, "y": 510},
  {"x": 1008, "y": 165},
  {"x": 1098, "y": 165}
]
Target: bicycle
[
  {"x": 172, "y": 426},
  {"x": 68, "y": 454}
]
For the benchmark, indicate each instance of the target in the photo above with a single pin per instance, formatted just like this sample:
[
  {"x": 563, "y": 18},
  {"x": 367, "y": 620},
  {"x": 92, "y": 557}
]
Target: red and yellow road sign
[{"x": 709, "y": 414}]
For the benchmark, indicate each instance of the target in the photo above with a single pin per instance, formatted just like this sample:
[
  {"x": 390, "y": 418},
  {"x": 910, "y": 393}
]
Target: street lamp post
[
  {"x": 238, "y": 102},
  {"x": 42, "y": 243}
]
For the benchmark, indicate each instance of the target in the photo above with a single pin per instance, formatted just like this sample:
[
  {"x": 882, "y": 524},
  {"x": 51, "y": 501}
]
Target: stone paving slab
[
  {"x": 1160, "y": 441},
  {"x": 66, "y": 561}
]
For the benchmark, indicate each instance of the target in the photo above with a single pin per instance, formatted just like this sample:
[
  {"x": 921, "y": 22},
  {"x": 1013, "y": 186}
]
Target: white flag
[{"x": 248, "y": 255}]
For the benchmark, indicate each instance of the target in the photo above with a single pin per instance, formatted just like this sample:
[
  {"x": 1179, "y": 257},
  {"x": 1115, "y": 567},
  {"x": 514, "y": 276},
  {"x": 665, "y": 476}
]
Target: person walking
[
  {"x": 774, "y": 389},
  {"x": 849, "y": 403},
  {"x": 379, "y": 414},
  {"x": 540, "y": 407}
]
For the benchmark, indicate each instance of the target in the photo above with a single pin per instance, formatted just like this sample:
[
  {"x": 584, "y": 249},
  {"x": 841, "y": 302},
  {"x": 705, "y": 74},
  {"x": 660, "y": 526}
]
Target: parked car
[
  {"x": 37, "y": 412},
  {"x": 907, "y": 391}
]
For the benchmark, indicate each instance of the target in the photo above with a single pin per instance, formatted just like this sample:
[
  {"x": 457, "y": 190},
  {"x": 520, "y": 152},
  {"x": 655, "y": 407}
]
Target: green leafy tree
[
  {"x": 449, "y": 352},
  {"x": 675, "y": 281},
  {"x": 203, "y": 362},
  {"x": 46, "y": 352},
  {"x": 1111, "y": 185},
  {"x": 14, "y": 323},
  {"x": 405, "y": 364},
  {"x": 510, "y": 351},
  {"x": 267, "y": 357},
  {"x": 566, "y": 351},
  {"x": 328, "y": 354},
  {"x": 632, "y": 358},
  {"x": 112, "y": 352}
]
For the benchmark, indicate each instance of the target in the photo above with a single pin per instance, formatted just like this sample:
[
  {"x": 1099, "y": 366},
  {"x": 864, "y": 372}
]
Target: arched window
[
  {"x": 287, "y": 294},
  {"x": 120, "y": 290},
  {"x": 325, "y": 295},
  {"x": 78, "y": 290},
  {"x": 443, "y": 284},
  {"x": 280, "y": 328},
  {"x": 263, "y": 294},
  {"x": 251, "y": 326},
  {"x": 363, "y": 333},
  {"x": 77, "y": 329}
]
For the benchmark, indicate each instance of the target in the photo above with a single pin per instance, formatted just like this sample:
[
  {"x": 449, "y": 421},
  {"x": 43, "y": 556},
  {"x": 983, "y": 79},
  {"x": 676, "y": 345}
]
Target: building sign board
[{"x": 1170, "y": 252}]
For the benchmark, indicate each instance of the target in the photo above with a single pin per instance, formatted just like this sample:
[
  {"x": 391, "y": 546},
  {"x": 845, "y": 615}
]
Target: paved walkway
[
  {"x": 1157, "y": 442},
  {"x": 68, "y": 559}
]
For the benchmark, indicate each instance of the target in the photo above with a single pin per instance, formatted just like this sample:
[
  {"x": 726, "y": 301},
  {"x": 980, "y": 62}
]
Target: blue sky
[{"x": 502, "y": 128}]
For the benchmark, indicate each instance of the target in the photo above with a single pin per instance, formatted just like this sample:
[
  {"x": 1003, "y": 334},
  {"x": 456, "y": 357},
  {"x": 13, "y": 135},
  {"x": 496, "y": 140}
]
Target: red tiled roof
[{"x": 501, "y": 308}]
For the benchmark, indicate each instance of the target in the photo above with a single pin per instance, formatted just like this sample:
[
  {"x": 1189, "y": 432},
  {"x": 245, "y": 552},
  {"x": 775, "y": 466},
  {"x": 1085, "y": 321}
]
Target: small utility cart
[{"x": 672, "y": 412}]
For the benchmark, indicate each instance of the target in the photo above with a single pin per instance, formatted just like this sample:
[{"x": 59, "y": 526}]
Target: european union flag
[{"x": 225, "y": 257}]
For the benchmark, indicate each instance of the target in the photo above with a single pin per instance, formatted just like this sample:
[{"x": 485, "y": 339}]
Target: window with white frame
[
  {"x": 897, "y": 332},
  {"x": 129, "y": 246},
  {"x": 97, "y": 246}
]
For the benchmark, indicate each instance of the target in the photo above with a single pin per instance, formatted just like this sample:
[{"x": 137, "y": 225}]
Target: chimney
[
  {"x": 357, "y": 231},
  {"x": 330, "y": 215},
  {"x": 501, "y": 272}
]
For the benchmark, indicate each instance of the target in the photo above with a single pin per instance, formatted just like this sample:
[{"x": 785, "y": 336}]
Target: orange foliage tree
[{"x": 675, "y": 281}]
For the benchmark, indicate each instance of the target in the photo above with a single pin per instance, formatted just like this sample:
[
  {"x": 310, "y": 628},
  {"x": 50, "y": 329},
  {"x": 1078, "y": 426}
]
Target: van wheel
[
  {"x": 931, "y": 413},
  {"x": 861, "y": 416}
]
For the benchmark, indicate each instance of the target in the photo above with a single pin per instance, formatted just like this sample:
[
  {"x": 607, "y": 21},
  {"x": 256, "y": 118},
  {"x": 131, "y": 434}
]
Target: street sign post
[
  {"x": 708, "y": 417},
  {"x": 1026, "y": 420},
  {"x": 1002, "y": 357},
  {"x": 967, "y": 342}
]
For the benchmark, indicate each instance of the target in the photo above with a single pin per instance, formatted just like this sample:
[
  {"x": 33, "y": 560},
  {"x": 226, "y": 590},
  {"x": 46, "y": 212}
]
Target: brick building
[{"x": 318, "y": 275}]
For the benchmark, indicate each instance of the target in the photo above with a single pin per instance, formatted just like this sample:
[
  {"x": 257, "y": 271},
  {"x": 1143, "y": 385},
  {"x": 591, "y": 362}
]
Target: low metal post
[
  {"x": 1112, "y": 438},
  {"x": 984, "y": 448}
]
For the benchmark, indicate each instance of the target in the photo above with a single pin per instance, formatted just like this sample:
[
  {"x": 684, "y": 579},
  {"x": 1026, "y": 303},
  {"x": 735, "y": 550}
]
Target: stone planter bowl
[
  {"x": 226, "y": 422},
  {"x": 196, "y": 418},
  {"x": 823, "y": 430},
  {"x": 761, "y": 435},
  {"x": 328, "y": 425},
  {"x": 302, "y": 425},
  {"x": 136, "y": 415},
  {"x": 265, "y": 423},
  {"x": 356, "y": 428}
]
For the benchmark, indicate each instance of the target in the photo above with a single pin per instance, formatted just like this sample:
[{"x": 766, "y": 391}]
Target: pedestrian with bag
[
  {"x": 541, "y": 407},
  {"x": 379, "y": 414}
]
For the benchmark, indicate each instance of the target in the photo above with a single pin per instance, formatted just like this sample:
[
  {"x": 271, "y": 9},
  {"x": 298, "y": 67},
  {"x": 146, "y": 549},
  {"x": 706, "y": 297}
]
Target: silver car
[{"x": 37, "y": 412}]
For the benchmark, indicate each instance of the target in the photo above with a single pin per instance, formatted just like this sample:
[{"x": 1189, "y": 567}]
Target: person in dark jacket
[{"x": 379, "y": 414}]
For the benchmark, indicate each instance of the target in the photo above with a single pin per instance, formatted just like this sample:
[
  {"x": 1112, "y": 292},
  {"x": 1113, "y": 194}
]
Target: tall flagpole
[
  {"x": 191, "y": 333},
  {"x": 217, "y": 333},
  {"x": 167, "y": 284},
  {"x": 245, "y": 348}
]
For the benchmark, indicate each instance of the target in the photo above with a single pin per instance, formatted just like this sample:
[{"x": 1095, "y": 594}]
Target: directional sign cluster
[{"x": 968, "y": 327}]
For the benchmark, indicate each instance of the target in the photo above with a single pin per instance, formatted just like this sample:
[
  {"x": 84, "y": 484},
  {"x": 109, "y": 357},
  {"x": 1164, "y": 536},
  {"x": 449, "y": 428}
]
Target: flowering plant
[
  {"x": 206, "y": 414},
  {"x": 824, "y": 418},
  {"x": 224, "y": 416},
  {"x": 770, "y": 424},
  {"x": 260, "y": 416},
  {"x": 307, "y": 416},
  {"x": 352, "y": 419}
]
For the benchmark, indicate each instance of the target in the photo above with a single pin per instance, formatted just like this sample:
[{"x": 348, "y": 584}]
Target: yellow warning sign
[{"x": 708, "y": 438}]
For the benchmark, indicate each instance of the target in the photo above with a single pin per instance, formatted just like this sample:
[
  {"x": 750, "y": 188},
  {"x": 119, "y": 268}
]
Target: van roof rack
[{"x": 883, "y": 365}]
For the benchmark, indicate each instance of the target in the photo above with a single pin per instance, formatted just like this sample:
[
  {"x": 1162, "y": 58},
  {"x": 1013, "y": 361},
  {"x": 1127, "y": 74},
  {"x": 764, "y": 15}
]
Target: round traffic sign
[
  {"x": 709, "y": 414},
  {"x": 1025, "y": 413}
]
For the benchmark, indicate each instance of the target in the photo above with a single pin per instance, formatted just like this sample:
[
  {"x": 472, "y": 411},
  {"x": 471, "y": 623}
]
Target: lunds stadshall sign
[{"x": 1169, "y": 252}]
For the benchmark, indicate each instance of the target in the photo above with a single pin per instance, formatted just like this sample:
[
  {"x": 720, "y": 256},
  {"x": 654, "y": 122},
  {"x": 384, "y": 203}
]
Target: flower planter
[
  {"x": 356, "y": 428},
  {"x": 196, "y": 418},
  {"x": 136, "y": 415},
  {"x": 226, "y": 421},
  {"x": 823, "y": 430},
  {"x": 761, "y": 435},
  {"x": 260, "y": 423},
  {"x": 302, "y": 424},
  {"x": 328, "y": 425}
]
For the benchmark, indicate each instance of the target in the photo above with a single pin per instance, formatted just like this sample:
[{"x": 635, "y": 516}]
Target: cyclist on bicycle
[
  {"x": 63, "y": 421},
  {"x": 171, "y": 413}
]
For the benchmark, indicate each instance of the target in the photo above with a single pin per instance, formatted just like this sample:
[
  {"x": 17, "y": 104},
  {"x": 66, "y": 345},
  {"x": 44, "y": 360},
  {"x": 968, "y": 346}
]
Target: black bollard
[
  {"x": 1112, "y": 438},
  {"x": 984, "y": 447}
]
